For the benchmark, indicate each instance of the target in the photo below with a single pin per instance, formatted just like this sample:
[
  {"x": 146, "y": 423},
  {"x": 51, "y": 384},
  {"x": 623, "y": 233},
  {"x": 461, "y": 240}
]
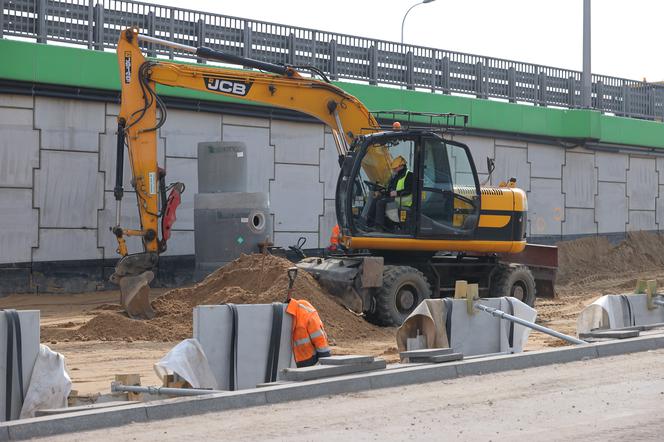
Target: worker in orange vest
[
  {"x": 308, "y": 337},
  {"x": 334, "y": 238}
]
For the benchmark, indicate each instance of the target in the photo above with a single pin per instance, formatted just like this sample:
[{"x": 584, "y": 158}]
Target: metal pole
[
  {"x": 120, "y": 388},
  {"x": 500, "y": 314},
  {"x": 406, "y": 15},
  {"x": 586, "y": 78}
]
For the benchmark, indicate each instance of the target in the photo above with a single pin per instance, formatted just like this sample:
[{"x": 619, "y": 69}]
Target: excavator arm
[{"x": 142, "y": 113}]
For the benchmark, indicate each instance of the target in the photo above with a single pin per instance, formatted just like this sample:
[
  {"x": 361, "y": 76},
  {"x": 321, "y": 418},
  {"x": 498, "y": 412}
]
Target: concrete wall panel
[
  {"x": 611, "y": 166},
  {"x": 19, "y": 225},
  {"x": 19, "y": 147},
  {"x": 296, "y": 198},
  {"x": 642, "y": 183},
  {"x": 11, "y": 100},
  {"x": 546, "y": 161},
  {"x": 641, "y": 220},
  {"x": 660, "y": 208},
  {"x": 327, "y": 220},
  {"x": 68, "y": 189},
  {"x": 579, "y": 180},
  {"x": 511, "y": 143},
  {"x": 260, "y": 155},
  {"x": 611, "y": 207},
  {"x": 546, "y": 206},
  {"x": 184, "y": 170},
  {"x": 297, "y": 143},
  {"x": 481, "y": 148},
  {"x": 180, "y": 243},
  {"x": 329, "y": 166},
  {"x": 69, "y": 124},
  {"x": 285, "y": 239},
  {"x": 236, "y": 120},
  {"x": 67, "y": 244},
  {"x": 183, "y": 131},
  {"x": 128, "y": 220},
  {"x": 512, "y": 162},
  {"x": 579, "y": 222}
]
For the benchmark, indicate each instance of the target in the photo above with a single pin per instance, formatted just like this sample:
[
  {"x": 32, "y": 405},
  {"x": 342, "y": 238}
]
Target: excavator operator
[{"x": 399, "y": 190}]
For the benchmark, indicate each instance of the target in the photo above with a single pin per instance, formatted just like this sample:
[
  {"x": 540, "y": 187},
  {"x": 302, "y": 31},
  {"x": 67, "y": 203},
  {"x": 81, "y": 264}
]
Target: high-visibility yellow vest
[{"x": 406, "y": 200}]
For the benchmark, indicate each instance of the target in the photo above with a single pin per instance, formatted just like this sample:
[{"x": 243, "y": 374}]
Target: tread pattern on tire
[
  {"x": 385, "y": 310},
  {"x": 504, "y": 278}
]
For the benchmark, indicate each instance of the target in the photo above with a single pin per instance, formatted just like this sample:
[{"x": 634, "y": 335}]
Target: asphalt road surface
[{"x": 618, "y": 398}]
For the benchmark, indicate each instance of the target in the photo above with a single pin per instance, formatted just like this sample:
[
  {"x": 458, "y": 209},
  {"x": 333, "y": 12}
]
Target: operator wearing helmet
[{"x": 399, "y": 189}]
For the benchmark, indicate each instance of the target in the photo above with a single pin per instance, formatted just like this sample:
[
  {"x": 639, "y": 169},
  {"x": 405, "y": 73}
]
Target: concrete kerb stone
[
  {"x": 317, "y": 388},
  {"x": 73, "y": 422},
  {"x": 4, "y": 434},
  {"x": 170, "y": 408},
  {"x": 633, "y": 345},
  {"x": 412, "y": 375}
]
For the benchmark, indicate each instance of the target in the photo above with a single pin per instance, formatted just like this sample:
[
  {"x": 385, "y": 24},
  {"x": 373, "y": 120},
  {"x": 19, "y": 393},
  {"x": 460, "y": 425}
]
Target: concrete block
[
  {"x": 546, "y": 206},
  {"x": 481, "y": 148},
  {"x": 72, "y": 422},
  {"x": 641, "y": 220},
  {"x": 129, "y": 219},
  {"x": 260, "y": 154},
  {"x": 610, "y": 334},
  {"x": 184, "y": 170},
  {"x": 187, "y": 406},
  {"x": 579, "y": 222},
  {"x": 13, "y": 100},
  {"x": 642, "y": 183},
  {"x": 326, "y": 371},
  {"x": 19, "y": 225},
  {"x": 545, "y": 160},
  {"x": 345, "y": 360},
  {"x": 29, "y": 320},
  {"x": 4, "y": 434},
  {"x": 185, "y": 129},
  {"x": 68, "y": 189},
  {"x": 633, "y": 345},
  {"x": 108, "y": 153},
  {"x": 611, "y": 207},
  {"x": 327, "y": 221},
  {"x": 96, "y": 406},
  {"x": 426, "y": 352},
  {"x": 512, "y": 162},
  {"x": 235, "y": 120},
  {"x": 69, "y": 124},
  {"x": 436, "y": 359},
  {"x": 19, "y": 148},
  {"x": 312, "y": 389},
  {"x": 329, "y": 166},
  {"x": 297, "y": 143},
  {"x": 579, "y": 180},
  {"x": 67, "y": 244},
  {"x": 413, "y": 375},
  {"x": 180, "y": 243},
  {"x": 296, "y": 198},
  {"x": 611, "y": 166}
]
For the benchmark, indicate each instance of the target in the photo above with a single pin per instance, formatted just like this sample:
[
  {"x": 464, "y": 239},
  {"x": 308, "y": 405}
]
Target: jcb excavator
[{"x": 449, "y": 229}]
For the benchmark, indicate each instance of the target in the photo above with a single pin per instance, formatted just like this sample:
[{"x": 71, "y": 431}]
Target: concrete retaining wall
[{"x": 57, "y": 175}]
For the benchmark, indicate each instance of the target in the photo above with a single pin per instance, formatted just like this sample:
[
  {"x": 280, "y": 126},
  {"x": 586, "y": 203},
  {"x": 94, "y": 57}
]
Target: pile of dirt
[
  {"x": 585, "y": 260},
  {"x": 251, "y": 279}
]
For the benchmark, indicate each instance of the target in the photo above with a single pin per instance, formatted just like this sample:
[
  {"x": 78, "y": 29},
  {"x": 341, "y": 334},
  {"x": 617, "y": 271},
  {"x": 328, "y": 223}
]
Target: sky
[{"x": 625, "y": 34}]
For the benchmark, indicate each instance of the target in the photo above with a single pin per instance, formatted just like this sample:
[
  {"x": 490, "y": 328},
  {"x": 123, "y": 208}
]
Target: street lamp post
[{"x": 406, "y": 14}]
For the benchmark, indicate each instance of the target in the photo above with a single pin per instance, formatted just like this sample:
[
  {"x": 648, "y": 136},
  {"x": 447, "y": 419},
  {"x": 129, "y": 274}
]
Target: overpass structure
[{"x": 586, "y": 171}]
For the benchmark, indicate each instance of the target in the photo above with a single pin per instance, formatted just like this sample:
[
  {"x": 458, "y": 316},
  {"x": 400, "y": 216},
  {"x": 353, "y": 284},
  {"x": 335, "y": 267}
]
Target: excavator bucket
[{"x": 135, "y": 295}]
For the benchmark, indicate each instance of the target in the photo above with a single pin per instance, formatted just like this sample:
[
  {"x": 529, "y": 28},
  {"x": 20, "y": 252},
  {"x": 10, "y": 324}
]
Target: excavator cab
[{"x": 437, "y": 196}]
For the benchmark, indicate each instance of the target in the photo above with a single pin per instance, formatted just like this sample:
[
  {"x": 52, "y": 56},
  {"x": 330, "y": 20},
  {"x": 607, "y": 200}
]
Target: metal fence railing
[{"x": 95, "y": 24}]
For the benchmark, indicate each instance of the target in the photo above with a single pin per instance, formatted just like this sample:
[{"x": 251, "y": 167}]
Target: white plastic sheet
[
  {"x": 618, "y": 311},
  {"x": 188, "y": 361},
  {"x": 49, "y": 385}
]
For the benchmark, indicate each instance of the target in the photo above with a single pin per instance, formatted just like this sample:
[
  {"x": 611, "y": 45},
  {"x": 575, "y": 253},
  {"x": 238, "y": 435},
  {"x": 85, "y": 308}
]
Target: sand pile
[
  {"x": 593, "y": 258},
  {"x": 251, "y": 279}
]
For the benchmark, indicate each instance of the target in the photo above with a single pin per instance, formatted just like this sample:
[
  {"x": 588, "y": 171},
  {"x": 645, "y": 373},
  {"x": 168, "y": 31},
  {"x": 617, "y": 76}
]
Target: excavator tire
[
  {"x": 516, "y": 281},
  {"x": 404, "y": 288}
]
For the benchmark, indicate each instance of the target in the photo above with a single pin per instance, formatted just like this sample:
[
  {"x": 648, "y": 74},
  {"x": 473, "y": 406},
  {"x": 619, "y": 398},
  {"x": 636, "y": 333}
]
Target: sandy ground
[
  {"x": 93, "y": 364},
  {"x": 574, "y": 401}
]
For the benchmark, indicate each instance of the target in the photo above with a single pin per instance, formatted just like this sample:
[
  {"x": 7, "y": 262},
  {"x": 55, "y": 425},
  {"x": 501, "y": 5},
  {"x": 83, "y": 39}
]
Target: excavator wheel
[
  {"x": 516, "y": 281},
  {"x": 404, "y": 288}
]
